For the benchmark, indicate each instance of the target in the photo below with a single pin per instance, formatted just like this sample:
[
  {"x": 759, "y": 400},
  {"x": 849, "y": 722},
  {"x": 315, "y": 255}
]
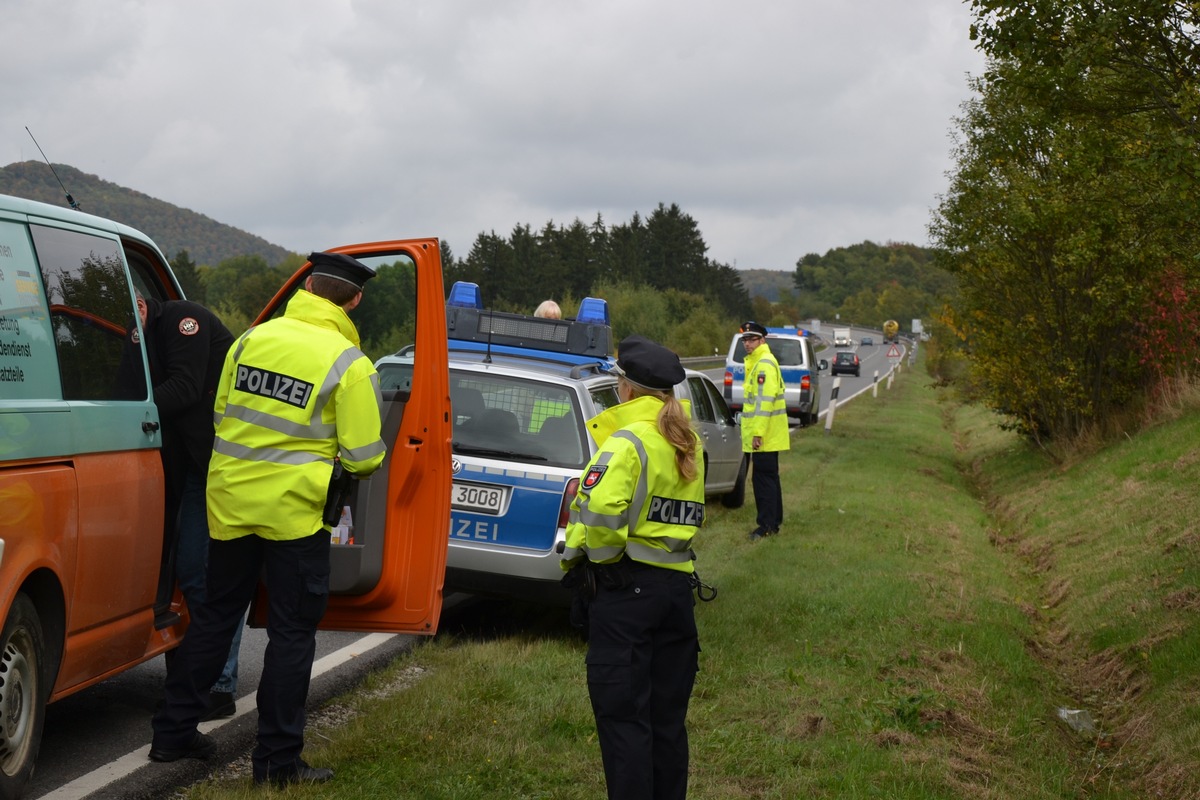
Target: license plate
[{"x": 478, "y": 498}]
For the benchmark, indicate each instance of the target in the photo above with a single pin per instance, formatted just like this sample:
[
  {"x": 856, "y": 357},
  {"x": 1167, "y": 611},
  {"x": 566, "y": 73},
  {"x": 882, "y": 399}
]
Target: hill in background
[
  {"x": 768, "y": 283},
  {"x": 173, "y": 228}
]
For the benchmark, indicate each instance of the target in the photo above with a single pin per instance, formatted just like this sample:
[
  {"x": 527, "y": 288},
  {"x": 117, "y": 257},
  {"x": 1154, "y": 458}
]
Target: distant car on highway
[
  {"x": 845, "y": 362},
  {"x": 867, "y": 341}
]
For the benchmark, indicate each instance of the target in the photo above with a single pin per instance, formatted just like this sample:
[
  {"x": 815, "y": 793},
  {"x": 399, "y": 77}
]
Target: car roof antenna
[{"x": 70, "y": 200}]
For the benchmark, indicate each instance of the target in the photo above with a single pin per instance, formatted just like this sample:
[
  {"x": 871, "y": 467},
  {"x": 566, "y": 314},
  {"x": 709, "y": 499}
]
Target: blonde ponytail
[
  {"x": 673, "y": 424},
  {"x": 676, "y": 428}
]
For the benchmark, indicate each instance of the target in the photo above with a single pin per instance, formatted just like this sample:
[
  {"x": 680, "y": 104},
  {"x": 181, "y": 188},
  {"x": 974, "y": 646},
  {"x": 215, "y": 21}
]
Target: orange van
[{"x": 85, "y": 585}]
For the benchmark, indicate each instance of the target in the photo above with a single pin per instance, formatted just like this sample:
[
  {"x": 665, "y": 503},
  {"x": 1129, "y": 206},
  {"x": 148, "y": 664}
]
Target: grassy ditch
[{"x": 938, "y": 592}]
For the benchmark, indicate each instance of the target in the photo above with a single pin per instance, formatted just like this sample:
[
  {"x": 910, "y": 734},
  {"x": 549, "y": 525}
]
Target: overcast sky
[{"x": 783, "y": 127}]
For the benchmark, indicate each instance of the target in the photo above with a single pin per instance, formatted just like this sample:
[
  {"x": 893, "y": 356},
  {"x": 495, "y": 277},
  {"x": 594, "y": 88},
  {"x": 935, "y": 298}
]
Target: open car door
[{"x": 388, "y": 574}]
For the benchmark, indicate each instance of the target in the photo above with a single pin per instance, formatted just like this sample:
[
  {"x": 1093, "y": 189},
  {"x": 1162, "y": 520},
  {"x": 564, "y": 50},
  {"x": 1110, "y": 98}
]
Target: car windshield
[
  {"x": 787, "y": 351},
  {"x": 845, "y": 357}
]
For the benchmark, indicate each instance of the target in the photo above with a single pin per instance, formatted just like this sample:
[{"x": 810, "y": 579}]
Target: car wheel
[
  {"x": 22, "y": 696},
  {"x": 737, "y": 495}
]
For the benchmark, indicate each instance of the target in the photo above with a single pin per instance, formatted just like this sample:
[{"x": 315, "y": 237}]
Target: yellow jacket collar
[
  {"x": 318, "y": 311},
  {"x": 639, "y": 409}
]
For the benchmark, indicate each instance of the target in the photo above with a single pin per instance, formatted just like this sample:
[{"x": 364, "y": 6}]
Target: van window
[
  {"x": 91, "y": 308},
  {"x": 26, "y": 343}
]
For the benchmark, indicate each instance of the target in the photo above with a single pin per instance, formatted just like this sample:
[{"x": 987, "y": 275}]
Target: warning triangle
[{"x": 893, "y": 351}]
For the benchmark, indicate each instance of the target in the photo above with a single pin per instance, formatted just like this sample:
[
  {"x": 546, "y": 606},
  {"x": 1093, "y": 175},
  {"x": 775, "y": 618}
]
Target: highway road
[{"x": 96, "y": 742}]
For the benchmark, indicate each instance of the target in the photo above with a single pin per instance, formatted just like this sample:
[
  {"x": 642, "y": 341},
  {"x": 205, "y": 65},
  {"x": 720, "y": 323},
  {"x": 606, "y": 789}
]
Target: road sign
[{"x": 894, "y": 351}]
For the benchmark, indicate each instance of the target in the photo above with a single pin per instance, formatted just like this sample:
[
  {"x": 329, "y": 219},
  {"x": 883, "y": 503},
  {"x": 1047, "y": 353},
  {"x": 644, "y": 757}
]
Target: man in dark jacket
[{"x": 186, "y": 346}]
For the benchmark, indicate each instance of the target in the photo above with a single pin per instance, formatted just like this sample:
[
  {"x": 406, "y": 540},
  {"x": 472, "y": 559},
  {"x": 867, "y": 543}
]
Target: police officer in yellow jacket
[
  {"x": 295, "y": 394},
  {"x": 764, "y": 427},
  {"x": 629, "y": 550}
]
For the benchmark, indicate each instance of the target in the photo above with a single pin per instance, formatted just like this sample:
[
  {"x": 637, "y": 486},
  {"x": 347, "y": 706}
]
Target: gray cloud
[{"x": 783, "y": 128}]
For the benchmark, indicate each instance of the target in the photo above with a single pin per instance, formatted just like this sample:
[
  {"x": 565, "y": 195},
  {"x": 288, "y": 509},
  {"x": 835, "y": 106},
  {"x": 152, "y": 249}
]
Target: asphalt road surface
[{"x": 96, "y": 742}]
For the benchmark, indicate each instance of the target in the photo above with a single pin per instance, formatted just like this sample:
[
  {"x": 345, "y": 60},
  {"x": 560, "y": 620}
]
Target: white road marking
[{"x": 129, "y": 763}]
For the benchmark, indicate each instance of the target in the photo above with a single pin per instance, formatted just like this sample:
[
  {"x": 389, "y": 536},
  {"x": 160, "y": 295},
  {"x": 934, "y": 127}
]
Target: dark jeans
[
  {"x": 191, "y": 564},
  {"x": 297, "y": 581},
  {"x": 768, "y": 496},
  {"x": 641, "y": 664}
]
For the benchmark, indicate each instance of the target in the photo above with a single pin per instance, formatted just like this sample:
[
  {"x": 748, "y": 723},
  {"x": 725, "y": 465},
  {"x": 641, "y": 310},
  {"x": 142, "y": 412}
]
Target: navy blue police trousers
[
  {"x": 296, "y": 574},
  {"x": 642, "y": 659}
]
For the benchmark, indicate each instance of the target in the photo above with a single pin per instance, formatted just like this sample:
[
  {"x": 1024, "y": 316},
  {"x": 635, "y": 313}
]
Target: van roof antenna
[{"x": 70, "y": 200}]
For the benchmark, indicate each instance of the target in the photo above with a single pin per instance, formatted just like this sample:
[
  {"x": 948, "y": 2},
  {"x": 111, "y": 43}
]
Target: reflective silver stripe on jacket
[
  {"x": 297, "y": 430},
  {"x": 366, "y": 452},
  {"x": 332, "y": 378},
  {"x": 680, "y": 552},
  {"x": 638, "y": 500},
  {"x": 272, "y": 455},
  {"x": 759, "y": 411}
]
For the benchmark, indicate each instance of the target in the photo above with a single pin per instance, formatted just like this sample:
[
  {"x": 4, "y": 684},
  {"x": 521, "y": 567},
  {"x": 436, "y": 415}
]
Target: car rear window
[
  {"x": 788, "y": 352},
  {"x": 516, "y": 420}
]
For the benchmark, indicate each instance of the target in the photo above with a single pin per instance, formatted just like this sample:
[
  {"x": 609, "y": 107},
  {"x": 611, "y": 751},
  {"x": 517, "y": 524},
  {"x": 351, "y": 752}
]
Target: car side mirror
[{"x": 822, "y": 365}]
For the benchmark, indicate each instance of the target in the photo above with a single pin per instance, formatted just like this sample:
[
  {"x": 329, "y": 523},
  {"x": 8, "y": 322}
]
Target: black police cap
[
  {"x": 648, "y": 364},
  {"x": 342, "y": 267},
  {"x": 753, "y": 328}
]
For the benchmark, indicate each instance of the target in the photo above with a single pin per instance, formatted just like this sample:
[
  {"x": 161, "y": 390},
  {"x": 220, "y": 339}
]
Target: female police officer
[{"x": 640, "y": 502}]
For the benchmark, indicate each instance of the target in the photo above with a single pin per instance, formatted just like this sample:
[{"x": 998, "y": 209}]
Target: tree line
[
  {"x": 654, "y": 272},
  {"x": 1070, "y": 222}
]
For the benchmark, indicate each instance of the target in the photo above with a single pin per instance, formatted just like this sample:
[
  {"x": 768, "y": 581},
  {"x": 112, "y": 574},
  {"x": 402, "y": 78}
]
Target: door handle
[{"x": 149, "y": 427}]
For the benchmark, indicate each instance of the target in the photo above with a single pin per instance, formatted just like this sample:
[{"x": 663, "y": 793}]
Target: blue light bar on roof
[
  {"x": 464, "y": 294},
  {"x": 589, "y": 334},
  {"x": 593, "y": 310}
]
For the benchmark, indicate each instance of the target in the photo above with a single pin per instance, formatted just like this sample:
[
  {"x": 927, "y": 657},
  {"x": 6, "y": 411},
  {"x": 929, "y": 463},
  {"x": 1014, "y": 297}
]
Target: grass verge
[{"x": 937, "y": 594}]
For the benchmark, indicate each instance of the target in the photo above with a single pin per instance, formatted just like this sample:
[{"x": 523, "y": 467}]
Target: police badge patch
[
  {"x": 188, "y": 326},
  {"x": 593, "y": 476}
]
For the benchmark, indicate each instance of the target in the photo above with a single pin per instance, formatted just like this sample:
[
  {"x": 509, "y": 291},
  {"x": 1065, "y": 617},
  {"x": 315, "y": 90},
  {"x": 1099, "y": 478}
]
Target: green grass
[{"x": 938, "y": 591}]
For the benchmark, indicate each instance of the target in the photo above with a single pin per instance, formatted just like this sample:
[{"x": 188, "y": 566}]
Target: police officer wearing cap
[
  {"x": 295, "y": 393},
  {"x": 764, "y": 427},
  {"x": 629, "y": 550}
]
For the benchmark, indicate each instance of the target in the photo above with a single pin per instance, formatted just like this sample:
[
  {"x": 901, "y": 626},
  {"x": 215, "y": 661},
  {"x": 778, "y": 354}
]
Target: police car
[
  {"x": 798, "y": 364},
  {"x": 521, "y": 391}
]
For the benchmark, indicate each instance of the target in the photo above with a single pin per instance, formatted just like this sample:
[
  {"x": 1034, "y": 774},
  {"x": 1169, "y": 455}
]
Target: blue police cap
[
  {"x": 648, "y": 364},
  {"x": 342, "y": 267},
  {"x": 754, "y": 329}
]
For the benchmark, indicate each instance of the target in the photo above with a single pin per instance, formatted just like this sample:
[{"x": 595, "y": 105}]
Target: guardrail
[{"x": 702, "y": 361}]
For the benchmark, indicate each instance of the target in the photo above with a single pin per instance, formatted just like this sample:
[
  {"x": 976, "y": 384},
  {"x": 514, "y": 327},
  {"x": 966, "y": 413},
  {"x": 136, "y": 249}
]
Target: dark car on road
[{"x": 845, "y": 362}]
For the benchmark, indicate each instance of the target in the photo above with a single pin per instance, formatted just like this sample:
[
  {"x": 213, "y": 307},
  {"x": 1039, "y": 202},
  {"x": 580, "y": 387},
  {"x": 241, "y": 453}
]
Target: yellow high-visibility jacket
[
  {"x": 631, "y": 499},
  {"x": 764, "y": 406},
  {"x": 295, "y": 392}
]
